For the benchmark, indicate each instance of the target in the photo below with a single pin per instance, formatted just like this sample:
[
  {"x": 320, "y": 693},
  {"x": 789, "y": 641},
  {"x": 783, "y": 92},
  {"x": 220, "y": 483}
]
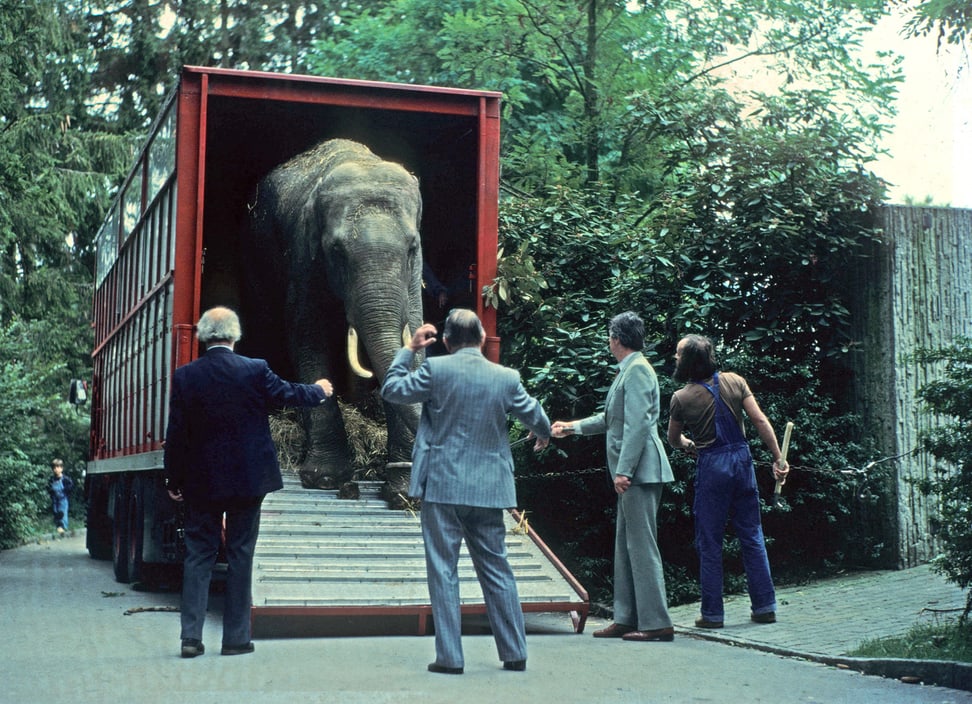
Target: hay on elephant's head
[{"x": 367, "y": 438}]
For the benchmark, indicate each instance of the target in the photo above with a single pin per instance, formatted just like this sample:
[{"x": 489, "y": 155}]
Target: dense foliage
[
  {"x": 950, "y": 398},
  {"x": 38, "y": 425},
  {"x": 556, "y": 333},
  {"x": 950, "y": 21}
]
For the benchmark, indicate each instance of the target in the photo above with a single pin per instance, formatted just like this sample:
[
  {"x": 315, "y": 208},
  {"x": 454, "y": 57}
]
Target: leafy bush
[
  {"x": 24, "y": 498},
  {"x": 570, "y": 263},
  {"x": 951, "y": 442},
  {"x": 38, "y": 425}
]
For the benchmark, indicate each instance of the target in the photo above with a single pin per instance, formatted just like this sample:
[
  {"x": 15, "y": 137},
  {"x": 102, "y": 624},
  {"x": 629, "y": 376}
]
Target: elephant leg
[
  {"x": 327, "y": 463},
  {"x": 310, "y": 311},
  {"x": 401, "y": 422}
]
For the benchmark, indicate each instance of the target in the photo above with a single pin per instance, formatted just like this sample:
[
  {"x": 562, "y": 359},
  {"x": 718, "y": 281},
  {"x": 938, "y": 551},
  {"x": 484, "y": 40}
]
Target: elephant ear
[
  {"x": 418, "y": 210},
  {"x": 306, "y": 244}
]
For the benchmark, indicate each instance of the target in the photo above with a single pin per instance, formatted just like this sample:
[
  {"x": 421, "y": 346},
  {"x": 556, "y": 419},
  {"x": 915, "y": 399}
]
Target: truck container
[{"x": 168, "y": 250}]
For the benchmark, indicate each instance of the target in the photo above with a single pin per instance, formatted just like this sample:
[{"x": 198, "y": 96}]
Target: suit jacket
[
  {"x": 630, "y": 420},
  {"x": 462, "y": 450},
  {"x": 217, "y": 445}
]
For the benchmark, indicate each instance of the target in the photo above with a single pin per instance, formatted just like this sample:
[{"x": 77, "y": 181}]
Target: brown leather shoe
[
  {"x": 703, "y": 623},
  {"x": 615, "y": 630},
  {"x": 658, "y": 634},
  {"x": 768, "y": 617}
]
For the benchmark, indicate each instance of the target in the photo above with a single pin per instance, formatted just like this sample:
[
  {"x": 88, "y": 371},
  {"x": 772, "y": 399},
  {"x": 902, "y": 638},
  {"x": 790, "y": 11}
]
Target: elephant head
[{"x": 346, "y": 225}]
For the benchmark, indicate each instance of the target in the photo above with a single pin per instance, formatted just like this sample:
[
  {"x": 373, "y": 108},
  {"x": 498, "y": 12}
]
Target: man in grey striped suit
[{"x": 462, "y": 469}]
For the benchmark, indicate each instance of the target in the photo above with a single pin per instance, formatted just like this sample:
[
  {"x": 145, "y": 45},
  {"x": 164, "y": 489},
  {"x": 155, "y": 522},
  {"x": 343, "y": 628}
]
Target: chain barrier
[
  {"x": 847, "y": 471},
  {"x": 557, "y": 475}
]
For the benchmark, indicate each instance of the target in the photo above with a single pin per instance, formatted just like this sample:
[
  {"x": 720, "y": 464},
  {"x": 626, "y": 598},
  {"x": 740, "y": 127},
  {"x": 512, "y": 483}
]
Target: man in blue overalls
[{"x": 710, "y": 406}]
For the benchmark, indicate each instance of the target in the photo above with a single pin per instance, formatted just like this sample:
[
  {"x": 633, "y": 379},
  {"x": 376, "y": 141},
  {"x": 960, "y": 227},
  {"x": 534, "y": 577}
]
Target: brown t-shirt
[{"x": 694, "y": 406}]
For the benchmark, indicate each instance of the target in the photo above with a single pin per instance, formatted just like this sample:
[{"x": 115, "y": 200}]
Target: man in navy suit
[
  {"x": 462, "y": 469},
  {"x": 221, "y": 460}
]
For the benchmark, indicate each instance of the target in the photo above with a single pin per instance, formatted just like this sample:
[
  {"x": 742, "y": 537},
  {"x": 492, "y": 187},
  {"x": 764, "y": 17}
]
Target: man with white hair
[{"x": 221, "y": 461}]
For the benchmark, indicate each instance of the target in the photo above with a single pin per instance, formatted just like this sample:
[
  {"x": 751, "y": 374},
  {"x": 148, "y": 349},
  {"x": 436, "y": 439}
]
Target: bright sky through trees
[{"x": 931, "y": 143}]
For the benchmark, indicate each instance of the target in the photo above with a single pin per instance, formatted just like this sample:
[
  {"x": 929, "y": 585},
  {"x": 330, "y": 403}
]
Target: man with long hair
[{"x": 710, "y": 407}]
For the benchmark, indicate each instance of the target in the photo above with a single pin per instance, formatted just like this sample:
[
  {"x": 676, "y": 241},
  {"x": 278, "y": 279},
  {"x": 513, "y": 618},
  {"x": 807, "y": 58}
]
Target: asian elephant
[{"x": 332, "y": 250}]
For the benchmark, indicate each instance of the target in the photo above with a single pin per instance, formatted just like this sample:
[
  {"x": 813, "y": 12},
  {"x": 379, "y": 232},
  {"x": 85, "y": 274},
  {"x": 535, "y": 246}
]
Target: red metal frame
[
  {"x": 144, "y": 319},
  {"x": 117, "y": 304}
]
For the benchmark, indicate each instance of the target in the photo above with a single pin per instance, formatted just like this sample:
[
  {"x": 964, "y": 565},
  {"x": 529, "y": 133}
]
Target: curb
[{"x": 940, "y": 673}]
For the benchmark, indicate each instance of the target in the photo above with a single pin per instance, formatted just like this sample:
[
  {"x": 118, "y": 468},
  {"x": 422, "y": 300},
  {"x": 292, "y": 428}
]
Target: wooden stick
[{"x": 783, "y": 452}]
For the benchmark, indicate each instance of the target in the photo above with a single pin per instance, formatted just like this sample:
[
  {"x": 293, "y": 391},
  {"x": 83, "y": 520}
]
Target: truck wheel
[
  {"x": 120, "y": 535},
  {"x": 97, "y": 524},
  {"x": 136, "y": 529}
]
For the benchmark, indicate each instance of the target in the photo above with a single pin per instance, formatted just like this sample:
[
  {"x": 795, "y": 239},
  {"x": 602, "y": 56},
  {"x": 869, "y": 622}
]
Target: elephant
[{"x": 332, "y": 250}]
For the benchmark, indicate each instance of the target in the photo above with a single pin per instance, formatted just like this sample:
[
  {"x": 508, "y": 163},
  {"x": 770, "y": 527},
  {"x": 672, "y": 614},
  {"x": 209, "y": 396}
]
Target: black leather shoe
[
  {"x": 443, "y": 670},
  {"x": 515, "y": 665},
  {"x": 191, "y": 647},
  {"x": 241, "y": 649},
  {"x": 768, "y": 617}
]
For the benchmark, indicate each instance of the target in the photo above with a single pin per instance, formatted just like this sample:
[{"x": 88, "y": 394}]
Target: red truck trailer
[{"x": 167, "y": 251}]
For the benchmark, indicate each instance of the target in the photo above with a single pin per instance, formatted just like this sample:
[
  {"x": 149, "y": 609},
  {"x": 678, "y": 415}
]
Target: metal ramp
[{"x": 339, "y": 567}]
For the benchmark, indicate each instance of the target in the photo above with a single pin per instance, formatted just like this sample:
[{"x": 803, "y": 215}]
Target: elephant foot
[
  {"x": 395, "y": 488},
  {"x": 349, "y": 491},
  {"x": 315, "y": 479},
  {"x": 399, "y": 500}
]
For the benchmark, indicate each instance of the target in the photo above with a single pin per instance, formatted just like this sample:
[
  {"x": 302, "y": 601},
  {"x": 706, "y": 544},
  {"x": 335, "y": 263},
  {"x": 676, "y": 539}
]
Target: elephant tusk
[
  {"x": 406, "y": 336},
  {"x": 353, "y": 355}
]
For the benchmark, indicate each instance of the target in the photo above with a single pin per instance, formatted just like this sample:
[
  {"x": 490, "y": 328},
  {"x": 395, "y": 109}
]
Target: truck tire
[
  {"x": 136, "y": 529},
  {"x": 120, "y": 535},
  {"x": 97, "y": 524}
]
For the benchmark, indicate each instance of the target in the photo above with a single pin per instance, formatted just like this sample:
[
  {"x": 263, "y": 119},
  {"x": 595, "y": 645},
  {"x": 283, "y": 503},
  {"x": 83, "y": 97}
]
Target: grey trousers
[
  {"x": 444, "y": 526},
  {"x": 204, "y": 527},
  {"x": 640, "y": 599}
]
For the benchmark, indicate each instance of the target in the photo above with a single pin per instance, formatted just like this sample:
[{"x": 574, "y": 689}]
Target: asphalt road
[{"x": 70, "y": 633}]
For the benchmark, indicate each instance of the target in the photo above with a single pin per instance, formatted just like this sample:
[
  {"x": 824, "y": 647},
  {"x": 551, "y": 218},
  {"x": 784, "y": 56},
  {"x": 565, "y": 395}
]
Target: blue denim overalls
[
  {"x": 725, "y": 488},
  {"x": 59, "y": 503}
]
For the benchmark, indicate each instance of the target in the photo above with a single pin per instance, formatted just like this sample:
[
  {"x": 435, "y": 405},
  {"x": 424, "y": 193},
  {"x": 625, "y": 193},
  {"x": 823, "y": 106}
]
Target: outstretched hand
[
  {"x": 327, "y": 386},
  {"x": 561, "y": 429}
]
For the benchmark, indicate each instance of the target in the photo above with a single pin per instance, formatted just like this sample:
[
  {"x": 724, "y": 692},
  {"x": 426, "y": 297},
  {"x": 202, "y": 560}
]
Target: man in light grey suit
[
  {"x": 462, "y": 469},
  {"x": 639, "y": 469}
]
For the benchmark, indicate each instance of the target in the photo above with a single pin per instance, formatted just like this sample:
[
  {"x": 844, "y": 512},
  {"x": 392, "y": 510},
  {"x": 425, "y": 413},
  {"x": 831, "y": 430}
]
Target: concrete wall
[{"x": 915, "y": 291}]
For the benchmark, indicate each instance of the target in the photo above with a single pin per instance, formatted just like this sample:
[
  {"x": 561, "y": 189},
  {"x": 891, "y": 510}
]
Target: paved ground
[
  {"x": 826, "y": 620},
  {"x": 834, "y": 616},
  {"x": 69, "y": 633}
]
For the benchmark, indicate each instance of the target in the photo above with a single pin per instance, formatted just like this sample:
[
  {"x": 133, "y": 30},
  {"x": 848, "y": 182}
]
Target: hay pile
[{"x": 366, "y": 431}]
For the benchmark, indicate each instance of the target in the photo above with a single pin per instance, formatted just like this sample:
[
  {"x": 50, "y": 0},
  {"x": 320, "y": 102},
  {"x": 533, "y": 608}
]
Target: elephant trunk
[{"x": 379, "y": 327}]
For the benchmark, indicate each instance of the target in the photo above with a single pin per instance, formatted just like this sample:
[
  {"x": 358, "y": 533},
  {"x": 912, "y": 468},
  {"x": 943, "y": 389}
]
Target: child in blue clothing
[{"x": 59, "y": 487}]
